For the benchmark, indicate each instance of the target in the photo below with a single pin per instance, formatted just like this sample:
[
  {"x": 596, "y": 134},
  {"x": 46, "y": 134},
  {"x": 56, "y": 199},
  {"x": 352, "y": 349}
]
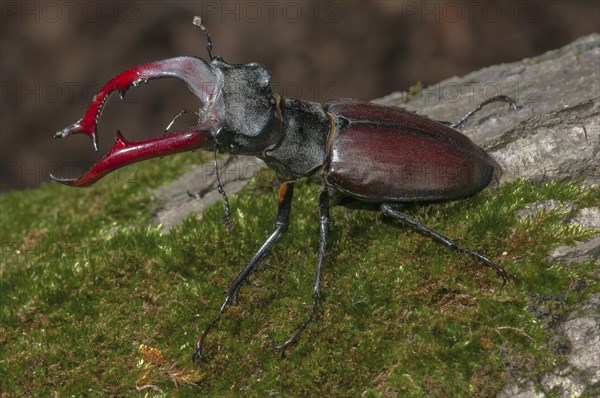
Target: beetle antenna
[
  {"x": 197, "y": 22},
  {"x": 175, "y": 118},
  {"x": 227, "y": 218}
]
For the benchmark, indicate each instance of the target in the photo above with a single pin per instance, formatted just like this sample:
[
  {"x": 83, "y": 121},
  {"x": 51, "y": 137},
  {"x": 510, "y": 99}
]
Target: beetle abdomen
[{"x": 384, "y": 153}]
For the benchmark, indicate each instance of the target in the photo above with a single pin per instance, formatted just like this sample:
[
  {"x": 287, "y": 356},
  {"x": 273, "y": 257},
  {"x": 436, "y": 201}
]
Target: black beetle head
[{"x": 248, "y": 117}]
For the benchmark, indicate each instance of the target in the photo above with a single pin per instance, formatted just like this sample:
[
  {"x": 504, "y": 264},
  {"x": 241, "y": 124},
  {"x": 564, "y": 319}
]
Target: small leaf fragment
[{"x": 151, "y": 355}]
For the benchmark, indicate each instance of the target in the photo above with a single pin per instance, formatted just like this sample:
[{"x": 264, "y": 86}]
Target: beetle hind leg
[
  {"x": 389, "y": 210},
  {"x": 324, "y": 228}
]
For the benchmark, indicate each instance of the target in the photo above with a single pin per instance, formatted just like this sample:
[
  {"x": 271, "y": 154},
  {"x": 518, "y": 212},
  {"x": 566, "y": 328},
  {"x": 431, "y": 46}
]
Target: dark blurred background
[{"x": 55, "y": 55}]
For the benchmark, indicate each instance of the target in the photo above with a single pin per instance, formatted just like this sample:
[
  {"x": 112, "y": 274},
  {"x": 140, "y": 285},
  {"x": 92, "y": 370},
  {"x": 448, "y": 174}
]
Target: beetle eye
[
  {"x": 234, "y": 149},
  {"x": 264, "y": 77}
]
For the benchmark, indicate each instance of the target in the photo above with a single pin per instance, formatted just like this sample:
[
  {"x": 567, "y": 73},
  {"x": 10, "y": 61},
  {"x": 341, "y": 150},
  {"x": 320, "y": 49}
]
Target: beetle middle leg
[
  {"x": 324, "y": 229},
  {"x": 389, "y": 210},
  {"x": 286, "y": 192}
]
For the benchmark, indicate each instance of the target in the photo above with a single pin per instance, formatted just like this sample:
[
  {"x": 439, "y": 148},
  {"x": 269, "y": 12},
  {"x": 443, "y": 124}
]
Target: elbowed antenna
[
  {"x": 197, "y": 22},
  {"x": 124, "y": 153}
]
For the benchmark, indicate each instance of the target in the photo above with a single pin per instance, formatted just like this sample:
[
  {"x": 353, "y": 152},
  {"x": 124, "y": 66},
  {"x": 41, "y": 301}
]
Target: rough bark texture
[{"x": 554, "y": 135}]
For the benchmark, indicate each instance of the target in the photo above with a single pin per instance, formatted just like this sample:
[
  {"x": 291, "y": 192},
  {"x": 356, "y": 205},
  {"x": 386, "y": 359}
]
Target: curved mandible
[
  {"x": 199, "y": 76},
  {"x": 124, "y": 152}
]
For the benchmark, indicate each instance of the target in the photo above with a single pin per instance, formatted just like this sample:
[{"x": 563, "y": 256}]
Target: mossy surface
[{"x": 85, "y": 279}]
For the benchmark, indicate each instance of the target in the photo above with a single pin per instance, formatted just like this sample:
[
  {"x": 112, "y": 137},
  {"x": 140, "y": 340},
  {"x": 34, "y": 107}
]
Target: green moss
[
  {"x": 85, "y": 280},
  {"x": 415, "y": 90}
]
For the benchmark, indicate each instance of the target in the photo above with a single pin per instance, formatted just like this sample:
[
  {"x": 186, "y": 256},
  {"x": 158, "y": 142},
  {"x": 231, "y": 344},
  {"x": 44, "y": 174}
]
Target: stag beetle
[{"x": 359, "y": 150}]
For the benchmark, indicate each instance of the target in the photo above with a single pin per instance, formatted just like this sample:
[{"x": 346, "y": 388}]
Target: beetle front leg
[
  {"x": 388, "y": 210},
  {"x": 286, "y": 192},
  {"x": 223, "y": 167},
  {"x": 324, "y": 215}
]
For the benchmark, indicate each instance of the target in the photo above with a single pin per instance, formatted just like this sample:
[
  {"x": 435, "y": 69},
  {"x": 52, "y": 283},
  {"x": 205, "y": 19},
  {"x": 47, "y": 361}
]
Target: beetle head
[
  {"x": 238, "y": 113},
  {"x": 249, "y": 121}
]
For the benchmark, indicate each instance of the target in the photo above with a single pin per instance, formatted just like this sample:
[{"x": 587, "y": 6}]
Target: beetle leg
[
  {"x": 286, "y": 192},
  {"x": 498, "y": 98},
  {"x": 324, "y": 215},
  {"x": 227, "y": 218},
  {"x": 388, "y": 210},
  {"x": 223, "y": 167}
]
